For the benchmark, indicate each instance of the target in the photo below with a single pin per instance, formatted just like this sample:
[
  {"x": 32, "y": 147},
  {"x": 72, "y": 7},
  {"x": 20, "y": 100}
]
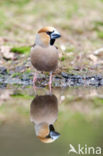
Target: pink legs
[
  {"x": 34, "y": 81},
  {"x": 50, "y": 81}
]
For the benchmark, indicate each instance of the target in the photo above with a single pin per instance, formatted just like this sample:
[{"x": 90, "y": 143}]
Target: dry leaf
[
  {"x": 99, "y": 52},
  {"x": 6, "y": 54},
  {"x": 92, "y": 58}
]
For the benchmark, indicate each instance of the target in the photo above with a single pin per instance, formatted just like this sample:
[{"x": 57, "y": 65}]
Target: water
[{"x": 75, "y": 113}]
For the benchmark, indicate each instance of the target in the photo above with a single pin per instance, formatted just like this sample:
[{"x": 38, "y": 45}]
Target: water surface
[{"x": 79, "y": 121}]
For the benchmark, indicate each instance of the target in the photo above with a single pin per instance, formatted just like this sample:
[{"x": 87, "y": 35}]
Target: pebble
[
  {"x": 63, "y": 80},
  {"x": 3, "y": 70}
]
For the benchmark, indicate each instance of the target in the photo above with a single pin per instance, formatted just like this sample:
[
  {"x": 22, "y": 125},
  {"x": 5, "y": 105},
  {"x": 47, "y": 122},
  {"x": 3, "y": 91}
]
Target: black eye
[{"x": 49, "y": 33}]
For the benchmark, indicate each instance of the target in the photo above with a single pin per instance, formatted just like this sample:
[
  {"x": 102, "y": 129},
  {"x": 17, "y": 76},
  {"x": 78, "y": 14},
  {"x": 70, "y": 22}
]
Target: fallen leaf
[
  {"x": 92, "y": 58},
  {"x": 99, "y": 52},
  {"x": 6, "y": 54}
]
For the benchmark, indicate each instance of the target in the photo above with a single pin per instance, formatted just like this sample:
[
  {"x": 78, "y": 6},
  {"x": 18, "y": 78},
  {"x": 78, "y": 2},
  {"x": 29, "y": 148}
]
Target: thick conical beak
[
  {"x": 54, "y": 135},
  {"x": 55, "y": 34}
]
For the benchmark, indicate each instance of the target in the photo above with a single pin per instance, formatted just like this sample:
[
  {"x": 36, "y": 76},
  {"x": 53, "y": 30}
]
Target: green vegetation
[
  {"x": 21, "y": 50},
  {"x": 63, "y": 58},
  {"x": 28, "y": 71},
  {"x": 98, "y": 102},
  {"x": 23, "y": 111},
  {"x": 100, "y": 34},
  {"x": 20, "y": 95},
  {"x": 69, "y": 49},
  {"x": 16, "y": 74}
]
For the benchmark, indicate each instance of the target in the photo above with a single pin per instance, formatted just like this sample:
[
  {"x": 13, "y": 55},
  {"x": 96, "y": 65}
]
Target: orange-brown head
[
  {"x": 46, "y": 133},
  {"x": 46, "y": 36}
]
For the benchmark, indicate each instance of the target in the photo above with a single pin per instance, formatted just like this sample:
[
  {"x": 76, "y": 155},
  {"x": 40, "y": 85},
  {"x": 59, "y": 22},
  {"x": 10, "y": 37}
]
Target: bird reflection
[{"x": 43, "y": 113}]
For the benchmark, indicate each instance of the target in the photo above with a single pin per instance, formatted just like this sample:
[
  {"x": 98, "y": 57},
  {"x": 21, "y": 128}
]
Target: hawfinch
[
  {"x": 43, "y": 113},
  {"x": 44, "y": 55}
]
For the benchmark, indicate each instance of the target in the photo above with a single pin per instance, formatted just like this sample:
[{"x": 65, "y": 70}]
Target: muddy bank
[{"x": 61, "y": 80}]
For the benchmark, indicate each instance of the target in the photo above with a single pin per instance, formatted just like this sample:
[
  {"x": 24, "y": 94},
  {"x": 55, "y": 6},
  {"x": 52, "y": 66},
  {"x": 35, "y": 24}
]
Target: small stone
[
  {"x": 3, "y": 70},
  {"x": 65, "y": 75},
  {"x": 20, "y": 69},
  {"x": 101, "y": 82}
]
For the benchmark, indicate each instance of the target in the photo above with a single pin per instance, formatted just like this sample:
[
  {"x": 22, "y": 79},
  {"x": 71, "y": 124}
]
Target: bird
[
  {"x": 43, "y": 114},
  {"x": 44, "y": 55}
]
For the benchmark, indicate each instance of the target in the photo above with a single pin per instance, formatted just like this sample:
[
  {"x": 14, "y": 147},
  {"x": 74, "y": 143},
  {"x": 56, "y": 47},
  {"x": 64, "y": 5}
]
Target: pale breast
[{"x": 44, "y": 58}]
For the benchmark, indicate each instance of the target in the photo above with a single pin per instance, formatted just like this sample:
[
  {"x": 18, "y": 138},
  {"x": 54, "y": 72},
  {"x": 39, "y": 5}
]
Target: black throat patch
[{"x": 52, "y": 41}]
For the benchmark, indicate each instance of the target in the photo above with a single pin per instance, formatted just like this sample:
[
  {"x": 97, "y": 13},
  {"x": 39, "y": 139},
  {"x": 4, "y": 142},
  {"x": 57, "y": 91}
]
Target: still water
[{"x": 45, "y": 124}]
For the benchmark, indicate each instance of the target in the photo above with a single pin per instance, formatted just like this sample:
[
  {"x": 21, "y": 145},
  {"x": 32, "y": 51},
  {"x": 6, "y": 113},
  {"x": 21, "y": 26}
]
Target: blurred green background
[{"x": 80, "y": 23}]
